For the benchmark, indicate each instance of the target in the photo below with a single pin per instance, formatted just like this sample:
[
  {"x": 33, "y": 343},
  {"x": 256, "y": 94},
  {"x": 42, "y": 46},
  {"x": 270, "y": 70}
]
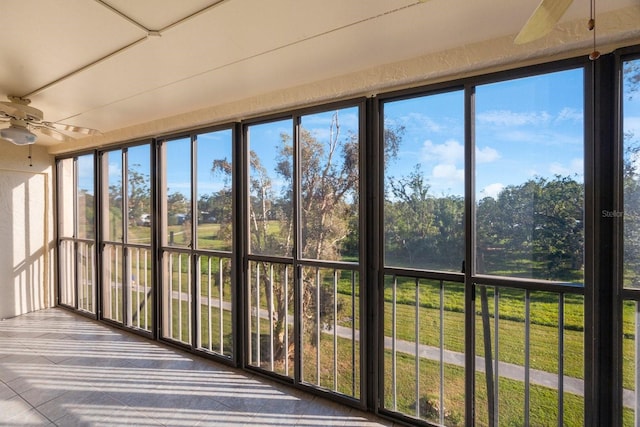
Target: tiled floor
[{"x": 61, "y": 369}]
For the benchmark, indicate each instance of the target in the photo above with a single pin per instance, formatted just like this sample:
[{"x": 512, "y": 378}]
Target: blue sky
[{"x": 525, "y": 128}]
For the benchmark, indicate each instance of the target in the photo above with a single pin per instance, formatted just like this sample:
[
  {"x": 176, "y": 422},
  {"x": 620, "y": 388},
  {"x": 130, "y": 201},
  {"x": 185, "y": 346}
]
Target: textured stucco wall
[{"x": 26, "y": 230}]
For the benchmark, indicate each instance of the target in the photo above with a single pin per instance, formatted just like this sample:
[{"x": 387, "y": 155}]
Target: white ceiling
[{"x": 98, "y": 63}]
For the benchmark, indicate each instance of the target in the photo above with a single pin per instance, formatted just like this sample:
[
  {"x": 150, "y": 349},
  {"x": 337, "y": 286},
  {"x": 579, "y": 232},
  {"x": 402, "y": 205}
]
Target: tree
[
  {"x": 139, "y": 194},
  {"x": 533, "y": 229},
  {"x": 421, "y": 230},
  {"x": 328, "y": 202},
  {"x": 409, "y": 219}
]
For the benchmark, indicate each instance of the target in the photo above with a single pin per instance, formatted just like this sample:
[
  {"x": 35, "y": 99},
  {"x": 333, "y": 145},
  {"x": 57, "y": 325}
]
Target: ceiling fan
[
  {"x": 23, "y": 120},
  {"x": 543, "y": 19}
]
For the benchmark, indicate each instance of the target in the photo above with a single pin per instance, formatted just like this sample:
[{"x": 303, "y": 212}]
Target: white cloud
[
  {"x": 448, "y": 172},
  {"x": 575, "y": 167},
  {"x": 570, "y": 114},
  {"x": 423, "y": 121},
  {"x": 115, "y": 170},
  {"x": 451, "y": 152},
  {"x": 510, "y": 118},
  {"x": 486, "y": 155},
  {"x": 492, "y": 190},
  {"x": 632, "y": 124}
]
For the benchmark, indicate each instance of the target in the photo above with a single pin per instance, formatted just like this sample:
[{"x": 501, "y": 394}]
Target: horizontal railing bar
[
  {"x": 133, "y": 245},
  {"x": 529, "y": 284},
  {"x": 176, "y": 250},
  {"x": 212, "y": 253},
  {"x": 631, "y": 294},
  {"x": 339, "y": 265},
  {"x": 424, "y": 274},
  {"x": 90, "y": 241},
  {"x": 269, "y": 258}
]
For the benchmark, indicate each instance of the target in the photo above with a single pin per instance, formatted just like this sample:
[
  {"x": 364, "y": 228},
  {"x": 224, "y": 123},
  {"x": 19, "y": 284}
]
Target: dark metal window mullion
[
  {"x": 372, "y": 281},
  {"x": 126, "y": 261},
  {"x": 297, "y": 267},
  {"x": 76, "y": 280},
  {"x": 97, "y": 217},
  {"x": 194, "y": 320},
  {"x": 240, "y": 247},
  {"x": 156, "y": 229},
  {"x": 470, "y": 252}
]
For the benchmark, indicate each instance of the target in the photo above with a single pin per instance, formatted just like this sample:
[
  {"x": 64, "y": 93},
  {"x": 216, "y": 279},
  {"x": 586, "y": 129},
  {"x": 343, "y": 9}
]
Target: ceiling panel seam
[
  {"x": 83, "y": 68},
  {"x": 123, "y": 15},
  {"x": 149, "y": 33}
]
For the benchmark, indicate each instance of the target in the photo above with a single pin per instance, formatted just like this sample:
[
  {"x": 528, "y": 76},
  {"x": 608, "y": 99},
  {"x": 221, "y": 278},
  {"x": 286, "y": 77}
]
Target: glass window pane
[
  {"x": 65, "y": 197},
  {"x": 270, "y": 188},
  {"x": 270, "y": 290},
  {"x": 424, "y": 349},
  {"x": 631, "y": 172},
  {"x": 424, "y": 182},
  {"x": 112, "y": 224},
  {"x": 177, "y": 212},
  {"x": 140, "y": 290},
  {"x": 139, "y": 195},
  {"x": 529, "y": 158},
  {"x": 214, "y": 280},
  {"x": 176, "y": 296},
  {"x": 214, "y": 186},
  {"x": 329, "y": 194},
  {"x": 85, "y": 196}
]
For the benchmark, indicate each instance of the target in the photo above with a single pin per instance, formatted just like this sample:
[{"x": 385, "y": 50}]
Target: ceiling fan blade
[
  {"x": 8, "y": 109},
  {"x": 20, "y": 110},
  {"x": 58, "y": 136},
  {"x": 543, "y": 19},
  {"x": 71, "y": 128}
]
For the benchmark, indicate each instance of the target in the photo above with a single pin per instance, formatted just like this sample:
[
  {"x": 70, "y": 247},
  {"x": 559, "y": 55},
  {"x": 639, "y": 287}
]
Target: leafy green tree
[
  {"x": 86, "y": 214},
  {"x": 217, "y": 207},
  {"x": 409, "y": 221},
  {"x": 534, "y": 229},
  {"x": 558, "y": 237},
  {"x": 421, "y": 230},
  {"x": 139, "y": 194}
]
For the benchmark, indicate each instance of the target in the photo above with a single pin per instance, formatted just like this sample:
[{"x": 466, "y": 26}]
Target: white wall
[{"x": 26, "y": 230}]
